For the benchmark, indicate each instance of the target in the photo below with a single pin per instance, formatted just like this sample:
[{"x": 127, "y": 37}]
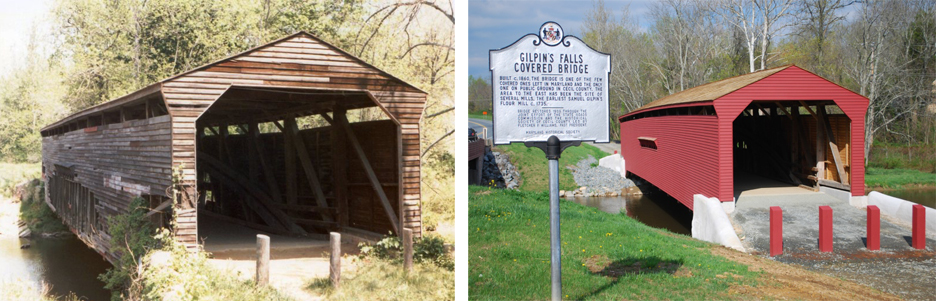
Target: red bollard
[
  {"x": 776, "y": 231},
  {"x": 874, "y": 228},
  {"x": 825, "y": 229},
  {"x": 919, "y": 227}
]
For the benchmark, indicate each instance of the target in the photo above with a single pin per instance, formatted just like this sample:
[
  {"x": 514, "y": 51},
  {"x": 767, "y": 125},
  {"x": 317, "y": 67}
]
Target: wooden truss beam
[
  {"x": 292, "y": 129},
  {"x": 342, "y": 121},
  {"x": 244, "y": 183}
]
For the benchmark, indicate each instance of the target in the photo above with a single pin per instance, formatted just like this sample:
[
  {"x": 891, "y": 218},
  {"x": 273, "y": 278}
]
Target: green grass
[
  {"x": 604, "y": 256},
  {"x": 898, "y": 178},
  {"x": 921, "y": 157},
  {"x": 479, "y": 115},
  {"x": 533, "y": 165},
  {"x": 15, "y": 173},
  {"x": 377, "y": 279}
]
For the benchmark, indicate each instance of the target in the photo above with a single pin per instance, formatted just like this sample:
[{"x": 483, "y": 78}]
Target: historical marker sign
[{"x": 549, "y": 84}]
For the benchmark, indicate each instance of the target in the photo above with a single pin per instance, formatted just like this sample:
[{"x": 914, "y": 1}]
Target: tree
[
  {"x": 686, "y": 36},
  {"x": 631, "y": 83},
  {"x": 479, "y": 94},
  {"x": 759, "y": 20}
]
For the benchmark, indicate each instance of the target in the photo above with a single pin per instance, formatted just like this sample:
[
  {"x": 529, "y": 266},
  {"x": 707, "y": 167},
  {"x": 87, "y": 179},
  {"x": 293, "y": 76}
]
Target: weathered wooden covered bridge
[
  {"x": 231, "y": 129},
  {"x": 784, "y": 123}
]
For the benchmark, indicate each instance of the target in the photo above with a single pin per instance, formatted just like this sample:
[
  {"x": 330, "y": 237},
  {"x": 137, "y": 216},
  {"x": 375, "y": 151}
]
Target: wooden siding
[
  {"x": 669, "y": 167},
  {"x": 115, "y": 162},
  {"x": 684, "y": 166},
  {"x": 298, "y": 61}
]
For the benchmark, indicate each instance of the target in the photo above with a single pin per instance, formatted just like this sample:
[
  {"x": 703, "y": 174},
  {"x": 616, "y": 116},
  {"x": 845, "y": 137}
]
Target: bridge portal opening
[
  {"x": 295, "y": 164},
  {"x": 782, "y": 145}
]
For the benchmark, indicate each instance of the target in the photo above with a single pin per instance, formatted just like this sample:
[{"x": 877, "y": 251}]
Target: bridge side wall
[
  {"x": 685, "y": 161},
  {"x": 93, "y": 173}
]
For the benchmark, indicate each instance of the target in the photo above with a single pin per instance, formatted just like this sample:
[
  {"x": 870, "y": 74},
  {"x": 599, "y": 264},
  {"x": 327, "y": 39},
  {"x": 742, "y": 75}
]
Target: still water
[
  {"x": 925, "y": 197},
  {"x": 657, "y": 210},
  {"x": 65, "y": 264}
]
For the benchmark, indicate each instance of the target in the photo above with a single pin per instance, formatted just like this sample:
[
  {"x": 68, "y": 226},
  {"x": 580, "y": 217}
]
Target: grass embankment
[
  {"x": 898, "y": 178},
  {"x": 900, "y": 166},
  {"x": 534, "y": 169},
  {"x": 379, "y": 279},
  {"x": 604, "y": 256},
  {"x": 613, "y": 257},
  {"x": 12, "y": 174}
]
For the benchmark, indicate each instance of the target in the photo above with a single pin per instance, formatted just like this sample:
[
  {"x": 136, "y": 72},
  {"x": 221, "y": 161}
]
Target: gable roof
[
  {"x": 156, "y": 87},
  {"x": 711, "y": 91}
]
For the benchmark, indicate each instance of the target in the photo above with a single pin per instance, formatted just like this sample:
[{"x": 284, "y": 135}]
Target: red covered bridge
[{"x": 786, "y": 124}]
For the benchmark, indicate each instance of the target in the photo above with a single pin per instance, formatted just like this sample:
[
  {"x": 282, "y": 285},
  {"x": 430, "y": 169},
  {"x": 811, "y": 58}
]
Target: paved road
[{"x": 481, "y": 124}]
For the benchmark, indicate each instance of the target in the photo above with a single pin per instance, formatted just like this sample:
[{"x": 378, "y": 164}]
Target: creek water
[
  {"x": 922, "y": 196},
  {"x": 655, "y": 209},
  {"x": 64, "y": 264}
]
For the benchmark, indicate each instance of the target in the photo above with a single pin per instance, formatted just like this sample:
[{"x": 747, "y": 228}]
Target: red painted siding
[
  {"x": 694, "y": 153},
  {"x": 792, "y": 83},
  {"x": 685, "y": 161}
]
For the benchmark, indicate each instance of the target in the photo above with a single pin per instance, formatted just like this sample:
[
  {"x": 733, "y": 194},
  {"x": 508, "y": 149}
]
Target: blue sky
[{"x": 497, "y": 24}]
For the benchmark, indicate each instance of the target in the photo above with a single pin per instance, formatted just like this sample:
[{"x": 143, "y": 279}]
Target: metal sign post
[
  {"x": 550, "y": 92},
  {"x": 553, "y": 149}
]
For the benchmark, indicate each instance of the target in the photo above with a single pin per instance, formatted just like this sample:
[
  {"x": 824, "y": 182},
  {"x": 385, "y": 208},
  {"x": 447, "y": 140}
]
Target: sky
[
  {"x": 17, "y": 19},
  {"x": 497, "y": 24}
]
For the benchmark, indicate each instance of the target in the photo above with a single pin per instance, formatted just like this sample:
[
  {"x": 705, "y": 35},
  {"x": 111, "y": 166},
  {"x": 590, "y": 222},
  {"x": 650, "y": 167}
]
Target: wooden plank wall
[
  {"x": 298, "y": 61},
  {"x": 114, "y": 162}
]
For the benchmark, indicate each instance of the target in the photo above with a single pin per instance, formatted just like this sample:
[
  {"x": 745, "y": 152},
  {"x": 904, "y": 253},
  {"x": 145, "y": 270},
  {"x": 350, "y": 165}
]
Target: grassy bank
[
  {"x": 920, "y": 157},
  {"x": 898, "y": 178},
  {"x": 12, "y": 174},
  {"x": 378, "y": 279},
  {"x": 613, "y": 257},
  {"x": 36, "y": 213},
  {"x": 605, "y": 256},
  {"x": 532, "y": 164}
]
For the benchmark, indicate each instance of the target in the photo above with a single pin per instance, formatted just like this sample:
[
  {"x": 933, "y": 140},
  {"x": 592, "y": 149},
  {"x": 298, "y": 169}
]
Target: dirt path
[
  {"x": 289, "y": 276},
  {"x": 789, "y": 282}
]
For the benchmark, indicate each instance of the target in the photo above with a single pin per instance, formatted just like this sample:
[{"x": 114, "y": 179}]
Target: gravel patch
[
  {"x": 598, "y": 180},
  {"x": 897, "y": 268}
]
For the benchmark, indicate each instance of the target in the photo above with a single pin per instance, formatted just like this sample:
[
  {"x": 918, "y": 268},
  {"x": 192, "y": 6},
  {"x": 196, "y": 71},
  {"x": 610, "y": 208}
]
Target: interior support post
[
  {"x": 252, "y": 163},
  {"x": 289, "y": 149},
  {"x": 340, "y": 171},
  {"x": 375, "y": 183}
]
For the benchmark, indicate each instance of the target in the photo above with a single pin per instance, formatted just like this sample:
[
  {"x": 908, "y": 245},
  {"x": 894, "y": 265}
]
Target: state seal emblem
[{"x": 551, "y": 33}]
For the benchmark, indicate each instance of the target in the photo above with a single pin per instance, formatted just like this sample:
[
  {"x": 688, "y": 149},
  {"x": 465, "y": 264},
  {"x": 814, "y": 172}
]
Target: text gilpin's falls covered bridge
[
  {"x": 785, "y": 123},
  {"x": 232, "y": 128}
]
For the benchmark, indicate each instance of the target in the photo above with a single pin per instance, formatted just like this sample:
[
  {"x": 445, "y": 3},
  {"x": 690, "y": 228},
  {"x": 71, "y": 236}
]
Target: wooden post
[
  {"x": 776, "y": 231},
  {"x": 825, "y": 229},
  {"x": 408, "y": 249},
  {"x": 263, "y": 259},
  {"x": 874, "y": 228},
  {"x": 340, "y": 168},
  {"x": 290, "y": 161},
  {"x": 335, "y": 267},
  {"x": 253, "y": 164}
]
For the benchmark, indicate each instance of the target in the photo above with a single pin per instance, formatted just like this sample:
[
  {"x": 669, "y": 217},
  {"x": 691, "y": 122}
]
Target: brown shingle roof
[{"x": 711, "y": 91}]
